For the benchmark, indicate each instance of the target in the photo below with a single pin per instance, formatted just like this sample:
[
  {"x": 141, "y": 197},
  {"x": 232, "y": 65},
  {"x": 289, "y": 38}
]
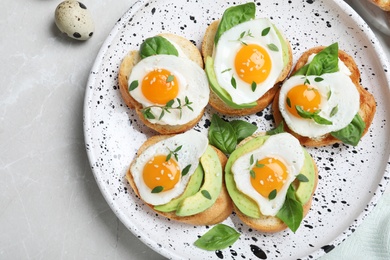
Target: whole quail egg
[{"x": 74, "y": 19}]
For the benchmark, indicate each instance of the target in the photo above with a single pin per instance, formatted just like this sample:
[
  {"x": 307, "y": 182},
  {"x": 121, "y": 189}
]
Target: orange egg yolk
[
  {"x": 305, "y": 96},
  {"x": 160, "y": 172},
  {"x": 270, "y": 174},
  {"x": 160, "y": 86},
  {"x": 252, "y": 63}
]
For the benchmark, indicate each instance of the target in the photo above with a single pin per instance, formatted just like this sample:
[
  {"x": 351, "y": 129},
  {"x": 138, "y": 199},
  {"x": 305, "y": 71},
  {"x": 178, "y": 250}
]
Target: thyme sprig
[{"x": 147, "y": 111}]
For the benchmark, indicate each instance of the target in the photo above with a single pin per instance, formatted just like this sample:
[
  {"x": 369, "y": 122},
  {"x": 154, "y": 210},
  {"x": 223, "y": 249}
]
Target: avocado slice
[
  {"x": 221, "y": 92},
  {"x": 217, "y": 89},
  {"x": 209, "y": 192},
  {"x": 192, "y": 187},
  {"x": 305, "y": 189},
  {"x": 245, "y": 204}
]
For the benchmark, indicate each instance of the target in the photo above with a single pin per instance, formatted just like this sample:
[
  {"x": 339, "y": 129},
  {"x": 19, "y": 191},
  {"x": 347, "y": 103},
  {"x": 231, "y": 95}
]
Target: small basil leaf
[
  {"x": 291, "y": 212},
  {"x": 334, "y": 111},
  {"x": 253, "y": 86},
  {"x": 157, "y": 189},
  {"x": 219, "y": 237},
  {"x": 318, "y": 79},
  {"x": 352, "y": 133},
  {"x": 302, "y": 178},
  {"x": 157, "y": 45},
  {"x": 186, "y": 170},
  {"x": 288, "y": 101},
  {"x": 301, "y": 71},
  {"x": 206, "y": 194},
  {"x": 272, "y": 194},
  {"x": 233, "y": 82},
  {"x": 279, "y": 129},
  {"x": 272, "y": 47},
  {"x": 133, "y": 85},
  {"x": 170, "y": 78},
  {"x": 242, "y": 129},
  {"x": 235, "y": 15},
  {"x": 252, "y": 173},
  {"x": 320, "y": 120},
  {"x": 265, "y": 31},
  {"x": 222, "y": 135},
  {"x": 251, "y": 160}
]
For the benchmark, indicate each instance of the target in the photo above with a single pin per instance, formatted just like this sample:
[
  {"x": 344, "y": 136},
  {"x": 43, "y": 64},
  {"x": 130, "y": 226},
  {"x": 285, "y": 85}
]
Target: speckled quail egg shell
[{"x": 74, "y": 19}]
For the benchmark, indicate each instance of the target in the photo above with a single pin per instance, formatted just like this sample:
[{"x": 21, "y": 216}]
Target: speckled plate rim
[{"x": 98, "y": 62}]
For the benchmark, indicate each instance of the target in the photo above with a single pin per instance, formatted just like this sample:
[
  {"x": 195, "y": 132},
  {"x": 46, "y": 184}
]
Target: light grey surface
[{"x": 51, "y": 207}]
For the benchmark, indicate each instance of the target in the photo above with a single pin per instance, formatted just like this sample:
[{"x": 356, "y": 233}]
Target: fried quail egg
[
  {"x": 248, "y": 59},
  {"x": 167, "y": 81},
  {"x": 266, "y": 173},
  {"x": 313, "y": 106},
  {"x": 162, "y": 171}
]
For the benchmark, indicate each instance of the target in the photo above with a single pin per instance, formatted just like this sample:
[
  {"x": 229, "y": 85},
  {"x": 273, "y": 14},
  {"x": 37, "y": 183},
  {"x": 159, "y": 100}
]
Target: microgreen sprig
[{"x": 147, "y": 111}]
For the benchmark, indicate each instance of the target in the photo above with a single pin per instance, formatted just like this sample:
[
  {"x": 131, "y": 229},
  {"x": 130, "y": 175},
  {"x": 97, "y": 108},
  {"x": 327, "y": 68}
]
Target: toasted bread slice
[
  {"x": 271, "y": 224},
  {"x": 218, "y": 212},
  {"x": 367, "y": 100},
  {"x": 263, "y": 102},
  {"x": 132, "y": 58},
  {"x": 383, "y": 4}
]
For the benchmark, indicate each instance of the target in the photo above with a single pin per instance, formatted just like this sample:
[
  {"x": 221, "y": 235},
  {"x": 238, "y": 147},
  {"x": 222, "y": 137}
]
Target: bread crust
[
  {"x": 367, "y": 101},
  {"x": 126, "y": 66},
  {"x": 271, "y": 224},
  {"x": 383, "y": 4},
  {"x": 262, "y": 102},
  {"x": 218, "y": 212}
]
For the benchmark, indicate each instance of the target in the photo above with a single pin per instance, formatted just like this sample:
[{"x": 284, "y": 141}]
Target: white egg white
[
  {"x": 225, "y": 53},
  {"x": 337, "y": 90},
  {"x": 284, "y": 147},
  {"x": 193, "y": 144},
  {"x": 193, "y": 84}
]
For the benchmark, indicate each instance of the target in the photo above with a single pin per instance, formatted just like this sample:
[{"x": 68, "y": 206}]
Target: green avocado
[
  {"x": 209, "y": 192},
  {"x": 245, "y": 204},
  {"x": 222, "y": 93},
  {"x": 305, "y": 189},
  {"x": 217, "y": 89},
  {"x": 192, "y": 187}
]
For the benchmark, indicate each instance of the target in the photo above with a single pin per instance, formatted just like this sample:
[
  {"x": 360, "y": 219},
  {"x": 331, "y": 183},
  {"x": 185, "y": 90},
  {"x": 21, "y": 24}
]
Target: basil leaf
[
  {"x": 157, "y": 45},
  {"x": 206, "y": 194},
  {"x": 272, "y": 47},
  {"x": 234, "y": 15},
  {"x": 133, "y": 85},
  {"x": 291, "y": 212},
  {"x": 302, "y": 178},
  {"x": 308, "y": 115},
  {"x": 265, "y": 31},
  {"x": 279, "y": 129},
  {"x": 186, "y": 170},
  {"x": 157, "y": 189},
  {"x": 352, "y": 133},
  {"x": 272, "y": 194},
  {"x": 219, "y": 237},
  {"x": 242, "y": 129},
  {"x": 302, "y": 71},
  {"x": 253, "y": 174},
  {"x": 222, "y": 135},
  {"x": 233, "y": 82}
]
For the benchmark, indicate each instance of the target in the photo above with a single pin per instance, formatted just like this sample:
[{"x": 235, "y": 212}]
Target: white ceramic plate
[{"x": 351, "y": 178}]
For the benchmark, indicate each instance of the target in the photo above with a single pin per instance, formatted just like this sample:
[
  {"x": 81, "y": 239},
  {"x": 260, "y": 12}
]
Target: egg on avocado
[
  {"x": 269, "y": 179},
  {"x": 181, "y": 177},
  {"x": 245, "y": 57}
]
